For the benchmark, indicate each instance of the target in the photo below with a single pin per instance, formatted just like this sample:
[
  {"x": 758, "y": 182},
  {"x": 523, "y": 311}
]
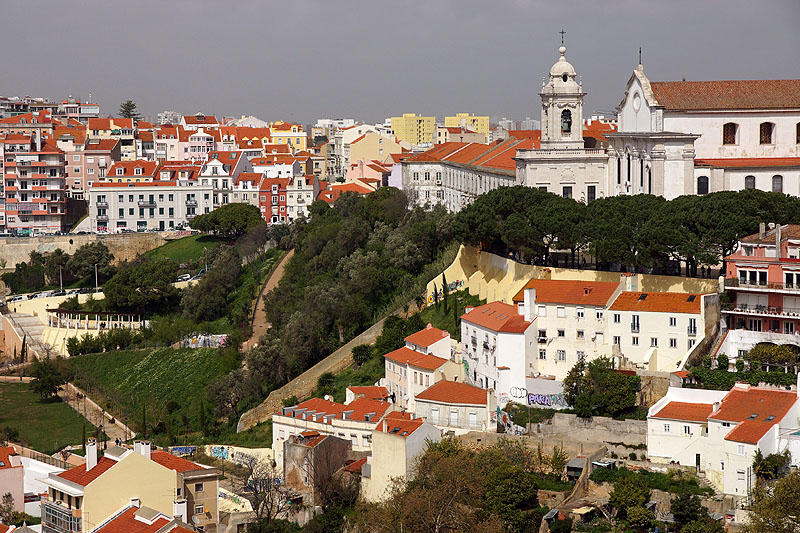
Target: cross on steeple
[
  {"x": 640, "y": 55},
  {"x": 562, "y": 32}
]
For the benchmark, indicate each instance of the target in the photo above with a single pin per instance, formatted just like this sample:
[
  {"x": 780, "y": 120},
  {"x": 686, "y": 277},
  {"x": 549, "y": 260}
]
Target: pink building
[{"x": 12, "y": 478}]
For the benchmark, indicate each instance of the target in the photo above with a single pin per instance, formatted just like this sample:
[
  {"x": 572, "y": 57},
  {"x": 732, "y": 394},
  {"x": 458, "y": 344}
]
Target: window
[
  {"x": 740, "y": 449},
  {"x": 561, "y": 311},
  {"x": 797, "y": 133},
  {"x": 598, "y": 314},
  {"x": 580, "y": 333},
  {"x": 687, "y": 430},
  {"x": 617, "y": 318},
  {"x": 561, "y": 333},
  {"x": 673, "y": 343},
  {"x": 749, "y": 182},
  {"x": 180, "y": 490},
  {"x": 654, "y": 342},
  {"x": 729, "y": 131},
  {"x": 617, "y": 340},
  {"x": 702, "y": 185},
  {"x": 726, "y": 424},
  {"x": 198, "y": 487},
  {"x": 566, "y": 192},
  {"x": 542, "y": 310},
  {"x": 777, "y": 183},
  {"x": 542, "y": 354},
  {"x": 199, "y": 509},
  {"x": 635, "y": 341},
  {"x": 666, "y": 428},
  {"x": 579, "y": 312},
  {"x": 561, "y": 355},
  {"x": 691, "y": 343},
  {"x": 566, "y": 121},
  {"x": 76, "y": 158},
  {"x": 673, "y": 321},
  {"x": 591, "y": 193},
  {"x": 120, "y": 171},
  {"x": 740, "y": 475},
  {"x": 765, "y": 132}
]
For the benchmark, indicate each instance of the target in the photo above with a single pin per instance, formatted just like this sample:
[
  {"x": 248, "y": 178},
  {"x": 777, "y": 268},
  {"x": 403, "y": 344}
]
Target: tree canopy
[
  {"x": 230, "y": 220},
  {"x": 595, "y": 388},
  {"x": 127, "y": 109},
  {"x": 144, "y": 286}
]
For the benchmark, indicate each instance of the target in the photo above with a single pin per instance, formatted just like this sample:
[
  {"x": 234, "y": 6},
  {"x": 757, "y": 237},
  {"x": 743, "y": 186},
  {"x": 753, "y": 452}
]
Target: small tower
[{"x": 562, "y": 107}]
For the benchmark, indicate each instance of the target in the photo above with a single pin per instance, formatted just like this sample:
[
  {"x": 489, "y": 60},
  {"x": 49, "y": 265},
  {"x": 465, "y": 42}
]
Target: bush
[
  {"x": 722, "y": 362},
  {"x": 361, "y": 354}
]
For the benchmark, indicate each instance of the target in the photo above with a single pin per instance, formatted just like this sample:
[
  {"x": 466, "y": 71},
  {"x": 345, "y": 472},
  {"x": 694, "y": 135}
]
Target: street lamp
[{"x": 96, "y": 284}]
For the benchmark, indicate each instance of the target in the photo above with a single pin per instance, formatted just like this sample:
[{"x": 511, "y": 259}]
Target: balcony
[
  {"x": 100, "y": 218},
  {"x": 761, "y": 310},
  {"x": 691, "y": 331},
  {"x": 635, "y": 327},
  {"x": 191, "y": 202},
  {"x": 147, "y": 203},
  {"x": 474, "y": 341},
  {"x": 541, "y": 340},
  {"x": 761, "y": 286},
  {"x": 101, "y": 204},
  {"x": 57, "y": 518}
]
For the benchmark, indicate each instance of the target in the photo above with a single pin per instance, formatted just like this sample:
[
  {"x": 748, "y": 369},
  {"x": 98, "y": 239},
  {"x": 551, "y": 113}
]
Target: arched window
[
  {"x": 729, "y": 130},
  {"x": 749, "y": 182},
  {"x": 702, "y": 185},
  {"x": 777, "y": 183},
  {"x": 766, "y": 131},
  {"x": 566, "y": 121}
]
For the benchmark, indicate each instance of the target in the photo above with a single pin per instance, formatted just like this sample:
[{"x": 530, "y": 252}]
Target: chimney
[
  {"x": 145, "y": 448},
  {"x": 137, "y": 446},
  {"x": 777, "y": 241},
  {"x": 136, "y": 502},
  {"x": 179, "y": 510},
  {"x": 91, "y": 454},
  {"x": 762, "y": 230},
  {"x": 529, "y": 303}
]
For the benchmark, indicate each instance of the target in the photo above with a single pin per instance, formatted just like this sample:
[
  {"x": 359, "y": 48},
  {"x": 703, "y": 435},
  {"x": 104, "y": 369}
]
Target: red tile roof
[
  {"x": 454, "y": 392},
  {"x": 693, "y": 412},
  {"x": 749, "y": 162},
  {"x": 200, "y": 119},
  {"x": 356, "y": 410},
  {"x": 361, "y": 407},
  {"x": 497, "y": 316},
  {"x": 659, "y": 302},
  {"x": 101, "y": 145},
  {"x": 83, "y": 477},
  {"x": 400, "y": 426},
  {"x": 355, "y": 466},
  {"x": 426, "y": 337},
  {"x": 749, "y": 431},
  {"x": 536, "y": 135},
  {"x": 148, "y": 169},
  {"x": 127, "y": 522},
  {"x": 419, "y": 360},
  {"x": 740, "y": 404},
  {"x": 371, "y": 392},
  {"x": 728, "y": 94},
  {"x": 573, "y": 292},
  {"x": 173, "y": 462},
  {"x": 5, "y": 453}
]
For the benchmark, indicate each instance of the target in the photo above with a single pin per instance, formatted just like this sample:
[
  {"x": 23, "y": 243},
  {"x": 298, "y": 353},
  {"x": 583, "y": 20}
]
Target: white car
[{"x": 183, "y": 277}]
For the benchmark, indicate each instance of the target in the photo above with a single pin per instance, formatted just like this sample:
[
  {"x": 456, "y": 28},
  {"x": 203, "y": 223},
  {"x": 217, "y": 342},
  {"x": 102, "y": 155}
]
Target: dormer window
[
  {"x": 137, "y": 171},
  {"x": 120, "y": 171}
]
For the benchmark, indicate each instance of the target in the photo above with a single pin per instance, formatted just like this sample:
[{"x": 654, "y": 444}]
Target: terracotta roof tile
[
  {"x": 729, "y": 94},
  {"x": 409, "y": 357},
  {"x": 426, "y": 337},
  {"x": 749, "y": 431},
  {"x": 371, "y": 392},
  {"x": 83, "y": 477},
  {"x": 742, "y": 403},
  {"x": 693, "y": 412},
  {"x": 127, "y": 522},
  {"x": 658, "y": 302},
  {"x": 400, "y": 426},
  {"x": 173, "y": 462},
  {"x": 789, "y": 231},
  {"x": 5, "y": 453},
  {"x": 355, "y": 466},
  {"x": 454, "y": 392},
  {"x": 497, "y": 316},
  {"x": 573, "y": 292}
]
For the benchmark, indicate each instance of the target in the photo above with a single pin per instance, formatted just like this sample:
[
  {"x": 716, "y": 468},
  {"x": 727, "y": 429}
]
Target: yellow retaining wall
[{"x": 493, "y": 278}]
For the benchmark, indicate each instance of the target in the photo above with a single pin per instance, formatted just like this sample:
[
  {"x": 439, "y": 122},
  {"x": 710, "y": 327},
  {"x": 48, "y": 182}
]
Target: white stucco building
[
  {"x": 457, "y": 407},
  {"x": 718, "y": 432}
]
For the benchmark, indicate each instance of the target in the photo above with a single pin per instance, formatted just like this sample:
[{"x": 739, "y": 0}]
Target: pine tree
[
  {"x": 444, "y": 293},
  {"x": 127, "y": 109}
]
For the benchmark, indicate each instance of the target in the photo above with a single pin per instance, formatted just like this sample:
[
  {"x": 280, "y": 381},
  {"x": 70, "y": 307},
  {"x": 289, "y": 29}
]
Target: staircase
[{"x": 29, "y": 328}]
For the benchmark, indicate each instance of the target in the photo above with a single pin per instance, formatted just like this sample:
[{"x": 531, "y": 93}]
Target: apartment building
[
  {"x": 497, "y": 347},
  {"x": 246, "y": 188},
  {"x": 122, "y": 129},
  {"x": 272, "y": 199},
  {"x": 155, "y": 205},
  {"x": 431, "y": 341},
  {"x": 39, "y": 123},
  {"x": 762, "y": 280},
  {"x": 300, "y": 194},
  {"x": 287, "y": 133},
  {"x": 198, "y": 121},
  {"x": 414, "y": 129},
  {"x": 398, "y": 440},
  {"x": 719, "y": 432},
  {"x": 84, "y": 497},
  {"x": 88, "y": 163},
  {"x": 457, "y": 407},
  {"x": 354, "y": 421},
  {"x": 221, "y": 171},
  {"x": 35, "y": 185},
  {"x": 570, "y": 320},
  {"x": 409, "y": 372},
  {"x": 479, "y": 124}
]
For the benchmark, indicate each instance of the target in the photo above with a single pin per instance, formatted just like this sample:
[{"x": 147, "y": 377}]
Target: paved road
[
  {"x": 94, "y": 414},
  {"x": 260, "y": 324}
]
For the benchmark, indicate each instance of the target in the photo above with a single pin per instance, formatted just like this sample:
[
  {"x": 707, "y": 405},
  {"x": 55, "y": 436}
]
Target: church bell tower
[{"x": 562, "y": 107}]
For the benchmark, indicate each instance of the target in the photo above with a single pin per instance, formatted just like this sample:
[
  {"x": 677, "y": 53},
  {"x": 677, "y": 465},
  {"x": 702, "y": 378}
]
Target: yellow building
[
  {"x": 471, "y": 122},
  {"x": 287, "y": 133},
  {"x": 373, "y": 145},
  {"x": 415, "y": 129}
]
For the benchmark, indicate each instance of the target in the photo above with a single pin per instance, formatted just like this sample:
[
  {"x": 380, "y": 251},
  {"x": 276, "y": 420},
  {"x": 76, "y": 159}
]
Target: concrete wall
[
  {"x": 497, "y": 278},
  {"x": 124, "y": 246},
  {"x": 596, "y": 431}
]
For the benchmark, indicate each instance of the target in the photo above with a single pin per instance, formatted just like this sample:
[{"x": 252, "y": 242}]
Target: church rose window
[{"x": 566, "y": 121}]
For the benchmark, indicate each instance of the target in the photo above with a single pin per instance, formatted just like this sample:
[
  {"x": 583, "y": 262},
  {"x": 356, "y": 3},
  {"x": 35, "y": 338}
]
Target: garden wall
[
  {"x": 124, "y": 246},
  {"x": 594, "y": 432}
]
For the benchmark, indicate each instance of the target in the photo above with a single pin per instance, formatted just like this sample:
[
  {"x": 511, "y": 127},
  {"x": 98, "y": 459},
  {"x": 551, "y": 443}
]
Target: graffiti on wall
[
  {"x": 182, "y": 450},
  {"x": 451, "y": 287},
  {"x": 205, "y": 341},
  {"x": 547, "y": 400},
  {"x": 505, "y": 424}
]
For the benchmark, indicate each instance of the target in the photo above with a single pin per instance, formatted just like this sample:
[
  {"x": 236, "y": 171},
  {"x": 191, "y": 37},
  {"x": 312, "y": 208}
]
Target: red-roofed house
[
  {"x": 199, "y": 120},
  {"x": 136, "y": 519},
  {"x": 456, "y": 406},
  {"x": 12, "y": 477},
  {"x": 398, "y": 441},
  {"x": 496, "y": 343},
  {"x": 431, "y": 340},
  {"x": 221, "y": 171},
  {"x": 353, "y": 421},
  {"x": 272, "y": 199},
  {"x": 86, "y": 496},
  {"x": 719, "y": 432},
  {"x": 413, "y": 368}
]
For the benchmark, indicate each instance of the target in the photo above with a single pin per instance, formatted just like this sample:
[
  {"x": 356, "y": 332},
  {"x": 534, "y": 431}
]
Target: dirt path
[
  {"x": 94, "y": 414},
  {"x": 260, "y": 324}
]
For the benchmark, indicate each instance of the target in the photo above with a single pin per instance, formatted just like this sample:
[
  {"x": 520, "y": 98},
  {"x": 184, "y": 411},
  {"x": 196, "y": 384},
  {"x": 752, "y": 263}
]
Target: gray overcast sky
[{"x": 371, "y": 59}]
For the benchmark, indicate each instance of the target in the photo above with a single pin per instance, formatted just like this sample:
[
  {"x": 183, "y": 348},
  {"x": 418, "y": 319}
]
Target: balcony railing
[
  {"x": 147, "y": 203},
  {"x": 691, "y": 330},
  {"x": 445, "y": 421},
  {"x": 761, "y": 309},
  {"x": 541, "y": 340},
  {"x": 634, "y": 327},
  {"x": 59, "y": 518},
  {"x": 474, "y": 341},
  {"x": 735, "y": 282},
  {"x": 191, "y": 202},
  {"x": 102, "y": 218},
  {"x": 101, "y": 204}
]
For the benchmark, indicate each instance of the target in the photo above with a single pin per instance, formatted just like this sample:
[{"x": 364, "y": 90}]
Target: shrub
[{"x": 361, "y": 354}]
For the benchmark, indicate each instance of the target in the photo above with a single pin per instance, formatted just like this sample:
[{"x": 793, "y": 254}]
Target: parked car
[
  {"x": 85, "y": 290},
  {"x": 58, "y": 293},
  {"x": 183, "y": 277}
]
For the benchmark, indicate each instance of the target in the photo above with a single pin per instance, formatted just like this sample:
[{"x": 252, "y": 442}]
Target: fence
[{"x": 38, "y": 456}]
